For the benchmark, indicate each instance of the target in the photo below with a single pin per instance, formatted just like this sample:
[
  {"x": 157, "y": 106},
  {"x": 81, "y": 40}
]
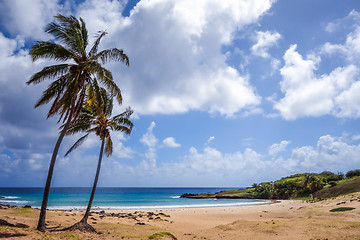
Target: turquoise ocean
[{"x": 119, "y": 198}]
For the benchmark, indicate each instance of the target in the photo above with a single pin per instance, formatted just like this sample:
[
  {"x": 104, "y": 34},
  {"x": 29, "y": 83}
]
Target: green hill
[
  {"x": 343, "y": 187},
  {"x": 306, "y": 185}
]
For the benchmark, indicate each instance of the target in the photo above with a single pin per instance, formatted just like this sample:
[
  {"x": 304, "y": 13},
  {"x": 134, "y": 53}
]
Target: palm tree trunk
[
  {"x": 86, "y": 215},
  {"x": 41, "y": 223}
]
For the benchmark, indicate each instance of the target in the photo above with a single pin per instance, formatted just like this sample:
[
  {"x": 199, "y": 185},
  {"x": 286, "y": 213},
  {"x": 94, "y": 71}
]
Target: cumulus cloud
[
  {"x": 278, "y": 147},
  {"x": 152, "y": 142},
  {"x": 170, "y": 142},
  {"x": 346, "y": 22},
  {"x": 350, "y": 49},
  {"x": 264, "y": 40},
  {"x": 148, "y": 138},
  {"x": 330, "y": 153},
  {"x": 28, "y": 18},
  {"x": 183, "y": 68},
  {"x": 307, "y": 94}
]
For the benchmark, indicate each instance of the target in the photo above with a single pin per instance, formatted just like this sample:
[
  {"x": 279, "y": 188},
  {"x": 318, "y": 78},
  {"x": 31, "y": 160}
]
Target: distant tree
[
  {"x": 312, "y": 183},
  {"x": 96, "y": 118},
  {"x": 353, "y": 173},
  {"x": 73, "y": 79}
]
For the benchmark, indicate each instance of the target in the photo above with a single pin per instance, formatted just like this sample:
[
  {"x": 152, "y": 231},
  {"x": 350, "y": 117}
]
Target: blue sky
[{"x": 226, "y": 93}]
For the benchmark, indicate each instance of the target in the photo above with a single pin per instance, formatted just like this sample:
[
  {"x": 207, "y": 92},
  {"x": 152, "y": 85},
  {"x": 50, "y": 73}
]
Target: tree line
[{"x": 299, "y": 185}]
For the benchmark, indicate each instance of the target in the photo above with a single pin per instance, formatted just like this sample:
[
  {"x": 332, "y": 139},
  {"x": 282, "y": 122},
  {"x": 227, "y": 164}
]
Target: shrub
[
  {"x": 342, "y": 209},
  {"x": 333, "y": 183}
]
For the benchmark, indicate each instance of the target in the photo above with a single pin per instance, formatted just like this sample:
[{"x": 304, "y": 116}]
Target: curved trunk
[
  {"x": 41, "y": 223},
  {"x": 86, "y": 215}
]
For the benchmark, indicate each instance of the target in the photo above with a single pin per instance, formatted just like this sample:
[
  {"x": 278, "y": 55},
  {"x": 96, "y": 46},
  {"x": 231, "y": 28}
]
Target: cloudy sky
[{"x": 225, "y": 93}]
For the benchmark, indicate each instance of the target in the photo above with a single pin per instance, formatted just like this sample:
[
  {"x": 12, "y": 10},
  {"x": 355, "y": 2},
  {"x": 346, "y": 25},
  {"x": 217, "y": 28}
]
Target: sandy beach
[{"x": 289, "y": 219}]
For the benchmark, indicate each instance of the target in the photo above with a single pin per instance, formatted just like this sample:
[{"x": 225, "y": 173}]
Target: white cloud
[
  {"x": 348, "y": 21},
  {"x": 356, "y": 137},
  {"x": 264, "y": 41},
  {"x": 350, "y": 49},
  {"x": 28, "y": 18},
  {"x": 170, "y": 143},
  {"x": 309, "y": 95},
  {"x": 148, "y": 138},
  {"x": 349, "y": 102},
  {"x": 183, "y": 68},
  {"x": 278, "y": 147},
  {"x": 212, "y": 138},
  {"x": 330, "y": 153}
]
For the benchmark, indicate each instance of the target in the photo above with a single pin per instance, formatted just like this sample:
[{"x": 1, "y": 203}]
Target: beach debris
[{"x": 135, "y": 215}]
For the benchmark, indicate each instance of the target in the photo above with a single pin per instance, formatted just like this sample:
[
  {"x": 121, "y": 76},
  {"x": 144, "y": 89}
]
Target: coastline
[{"x": 285, "y": 219}]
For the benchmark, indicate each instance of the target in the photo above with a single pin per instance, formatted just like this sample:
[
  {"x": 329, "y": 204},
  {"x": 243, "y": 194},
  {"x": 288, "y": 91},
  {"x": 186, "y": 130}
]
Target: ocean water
[{"x": 117, "y": 198}]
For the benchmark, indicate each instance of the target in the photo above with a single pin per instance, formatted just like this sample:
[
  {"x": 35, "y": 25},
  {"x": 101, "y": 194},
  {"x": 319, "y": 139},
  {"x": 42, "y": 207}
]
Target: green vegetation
[
  {"x": 342, "y": 209},
  {"x": 353, "y": 173},
  {"x": 162, "y": 234},
  {"x": 348, "y": 185},
  {"x": 303, "y": 186}
]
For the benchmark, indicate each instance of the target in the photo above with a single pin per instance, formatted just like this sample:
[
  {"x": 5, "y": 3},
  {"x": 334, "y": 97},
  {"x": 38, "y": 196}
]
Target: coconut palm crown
[
  {"x": 81, "y": 72},
  {"x": 96, "y": 118}
]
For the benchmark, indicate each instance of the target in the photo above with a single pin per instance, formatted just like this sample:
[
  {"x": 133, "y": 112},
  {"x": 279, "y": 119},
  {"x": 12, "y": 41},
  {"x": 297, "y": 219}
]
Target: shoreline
[
  {"x": 285, "y": 219},
  {"x": 246, "y": 202}
]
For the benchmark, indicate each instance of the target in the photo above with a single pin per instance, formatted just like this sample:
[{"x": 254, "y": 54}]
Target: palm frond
[
  {"x": 113, "y": 54},
  {"x": 105, "y": 77},
  {"x": 84, "y": 35},
  {"x": 69, "y": 32},
  {"x": 49, "y": 72},
  {"x": 54, "y": 90},
  {"x": 78, "y": 126},
  {"x": 77, "y": 144},
  {"x": 95, "y": 46},
  {"x": 113, "y": 88},
  {"x": 128, "y": 112},
  {"x": 50, "y": 50}
]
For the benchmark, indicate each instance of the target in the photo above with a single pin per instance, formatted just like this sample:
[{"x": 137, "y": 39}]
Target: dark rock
[{"x": 188, "y": 195}]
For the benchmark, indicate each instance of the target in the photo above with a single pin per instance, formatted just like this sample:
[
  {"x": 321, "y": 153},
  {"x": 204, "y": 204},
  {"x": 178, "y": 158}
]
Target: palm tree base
[{"x": 82, "y": 226}]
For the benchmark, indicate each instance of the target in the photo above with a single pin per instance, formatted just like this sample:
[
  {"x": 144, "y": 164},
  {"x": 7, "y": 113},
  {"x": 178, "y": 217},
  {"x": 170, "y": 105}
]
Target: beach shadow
[
  {"x": 10, "y": 235},
  {"x": 56, "y": 228}
]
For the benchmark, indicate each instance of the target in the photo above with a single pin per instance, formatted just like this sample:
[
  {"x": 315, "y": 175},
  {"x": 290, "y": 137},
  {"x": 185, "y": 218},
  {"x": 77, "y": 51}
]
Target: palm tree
[
  {"x": 95, "y": 117},
  {"x": 78, "y": 75}
]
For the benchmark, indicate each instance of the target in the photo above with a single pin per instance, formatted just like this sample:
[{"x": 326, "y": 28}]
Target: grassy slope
[{"x": 343, "y": 187}]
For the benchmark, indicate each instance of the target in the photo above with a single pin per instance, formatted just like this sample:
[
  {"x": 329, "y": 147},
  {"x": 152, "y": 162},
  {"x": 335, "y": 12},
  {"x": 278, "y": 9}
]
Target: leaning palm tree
[
  {"x": 95, "y": 117},
  {"x": 80, "y": 72}
]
